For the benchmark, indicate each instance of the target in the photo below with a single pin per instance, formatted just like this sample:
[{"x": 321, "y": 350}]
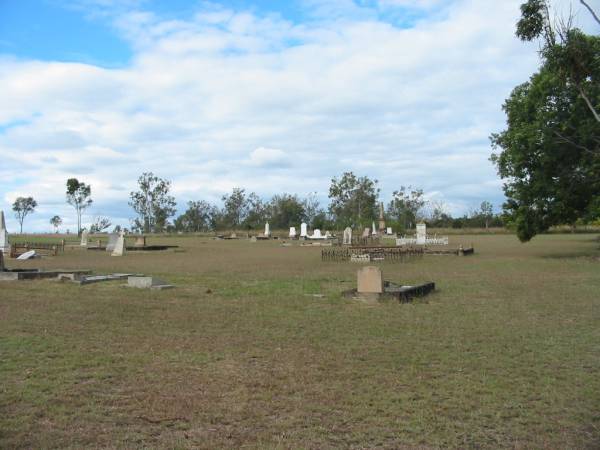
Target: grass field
[{"x": 506, "y": 353}]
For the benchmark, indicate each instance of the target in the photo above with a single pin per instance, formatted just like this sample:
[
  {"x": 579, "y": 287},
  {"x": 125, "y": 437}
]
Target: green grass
[{"x": 505, "y": 354}]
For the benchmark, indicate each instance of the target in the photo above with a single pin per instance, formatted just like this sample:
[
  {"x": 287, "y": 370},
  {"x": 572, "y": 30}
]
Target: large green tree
[
  {"x": 79, "y": 196},
  {"x": 152, "y": 203},
  {"x": 549, "y": 155},
  {"x": 199, "y": 216},
  {"x": 286, "y": 210},
  {"x": 353, "y": 200},
  {"x": 406, "y": 206},
  {"x": 22, "y": 207}
]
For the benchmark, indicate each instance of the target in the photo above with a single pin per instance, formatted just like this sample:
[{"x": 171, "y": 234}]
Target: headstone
[
  {"x": 84, "y": 239},
  {"x": 267, "y": 230},
  {"x": 327, "y": 234},
  {"x": 4, "y": 243},
  {"x": 369, "y": 280},
  {"x": 148, "y": 283},
  {"x": 316, "y": 234},
  {"x": 233, "y": 236},
  {"x": 253, "y": 239},
  {"x": 292, "y": 232},
  {"x": 347, "y": 236},
  {"x": 374, "y": 230},
  {"x": 421, "y": 234},
  {"x": 389, "y": 231},
  {"x": 366, "y": 233},
  {"x": 140, "y": 241},
  {"x": 303, "y": 230},
  {"x": 112, "y": 241},
  {"x": 119, "y": 249},
  {"x": 27, "y": 255},
  {"x": 381, "y": 218}
]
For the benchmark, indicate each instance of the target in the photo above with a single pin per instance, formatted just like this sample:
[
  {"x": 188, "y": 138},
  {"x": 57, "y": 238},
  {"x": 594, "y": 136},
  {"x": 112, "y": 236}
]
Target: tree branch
[
  {"x": 589, "y": 8},
  {"x": 574, "y": 144},
  {"x": 589, "y": 103}
]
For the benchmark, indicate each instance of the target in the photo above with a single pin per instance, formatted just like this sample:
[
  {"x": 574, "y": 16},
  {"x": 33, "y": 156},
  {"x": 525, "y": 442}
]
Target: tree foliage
[
  {"x": 549, "y": 155},
  {"x": 152, "y": 203},
  {"x": 353, "y": 200},
  {"x": 79, "y": 196},
  {"x": 56, "y": 221},
  {"x": 100, "y": 224},
  {"x": 23, "y": 206},
  {"x": 199, "y": 216},
  {"x": 406, "y": 205},
  {"x": 286, "y": 210}
]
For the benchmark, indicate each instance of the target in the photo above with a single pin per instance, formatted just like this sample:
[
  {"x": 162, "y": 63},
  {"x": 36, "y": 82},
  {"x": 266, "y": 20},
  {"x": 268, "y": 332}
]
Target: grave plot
[
  {"x": 371, "y": 288},
  {"x": 368, "y": 254}
]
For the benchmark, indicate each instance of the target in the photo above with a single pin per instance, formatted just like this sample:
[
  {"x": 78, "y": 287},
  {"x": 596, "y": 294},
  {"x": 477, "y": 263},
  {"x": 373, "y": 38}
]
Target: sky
[{"x": 271, "y": 96}]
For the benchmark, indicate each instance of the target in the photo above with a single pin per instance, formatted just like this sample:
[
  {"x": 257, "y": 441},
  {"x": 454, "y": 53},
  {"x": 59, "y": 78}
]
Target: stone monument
[
  {"x": 421, "y": 234},
  {"x": 303, "y": 230},
  {"x": 374, "y": 232},
  {"x": 120, "y": 248},
  {"x": 347, "y": 236},
  {"x": 84, "y": 239},
  {"x": 381, "y": 219},
  {"x": 4, "y": 243},
  {"x": 369, "y": 280},
  {"x": 292, "y": 232},
  {"x": 112, "y": 241},
  {"x": 366, "y": 233},
  {"x": 267, "y": 230}
]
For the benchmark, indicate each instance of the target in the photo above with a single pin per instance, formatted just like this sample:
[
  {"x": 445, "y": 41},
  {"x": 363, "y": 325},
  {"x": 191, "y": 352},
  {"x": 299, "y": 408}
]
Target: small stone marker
[
  {"x": 267, "y": 230},
  {"x": 303, "y": 230},
  {"x": 316, "y": 234},
  {"x": 148, "y": 283},
  {"x": 389, "y": 231},
  {"x": 27, "y": 255},
  {"x": 366, "y": 233},
  {"x": 347, "y": 236},
  {"x": 369, "y": 280},
  {"x": 374, "y": 232},
  {"x": 292, "y": 232},
  {"x": 112, "y": 241},
  {"x": 140, "y": 241},
  {"x": 119, "y": 249},
  {"x": 84, "y": 239}
]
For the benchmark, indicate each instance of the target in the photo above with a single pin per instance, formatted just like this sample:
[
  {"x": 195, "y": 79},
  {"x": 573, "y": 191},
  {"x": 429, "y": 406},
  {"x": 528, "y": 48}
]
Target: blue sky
[{"x": 268, "y": 95}]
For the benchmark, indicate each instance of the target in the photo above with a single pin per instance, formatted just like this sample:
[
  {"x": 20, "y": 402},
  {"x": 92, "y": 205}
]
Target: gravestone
[
  {"x": 369, "y": 280},
  {"x": 389, "y": 231},
  {"x": 316, "y": 234},
  {"x": 292, "y": 232},
  {"x": 27, "y": 255},
  {"x": 267, "y": 230},
  {"x": 140, "y": 241},
  {"x": 112, "y": 241},
  {"x": 119, "y": 249},
  {"x": 148, "y": 283},
  {"x": 366, "y": 233},
  {"x": 4, "y": 243},
  {"x": 327, "y": 234},
  {"x": 421, "y": 234},
  {"x": 347, "y": 236},
  {"x": 374, "y": 230},
  {"x": 303, "y": 230},
  {"x": 381, "y": 218},
  {"x": 84, "y": 239}
]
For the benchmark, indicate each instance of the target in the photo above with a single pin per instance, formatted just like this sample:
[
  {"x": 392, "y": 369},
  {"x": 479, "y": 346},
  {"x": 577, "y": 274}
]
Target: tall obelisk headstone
[{"x": 4, "y": 244}]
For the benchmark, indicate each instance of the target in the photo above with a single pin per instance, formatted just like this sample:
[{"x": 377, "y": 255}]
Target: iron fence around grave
[{"x": 391, "y": 254}]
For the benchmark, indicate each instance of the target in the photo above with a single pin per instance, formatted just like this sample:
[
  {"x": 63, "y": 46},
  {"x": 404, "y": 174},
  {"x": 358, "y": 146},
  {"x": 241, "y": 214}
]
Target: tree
[
  {"x": 353, "y": 200},
  {"x": 235, "y": 209},
  {"x": 56, "y": 221},
  {"x": 549, "y": 155},
  {"x": 486, "y": 212},
  {"x": 79, "y": 197},
  {"x": 406, "y": 205},
  {"x": 257, "y": 213},
  {"x": 198, "y": 217},
  {"x": 286, "y": 210},
  {"x": 100, "y": 224},
  {"x": 22, "y": 207},
  {"x": 152, "y": 203},
  {"x": 312, "y": 208}
]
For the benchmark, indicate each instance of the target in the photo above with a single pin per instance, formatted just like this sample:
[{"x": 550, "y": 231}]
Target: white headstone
[
  {"x": 347, "y": 236},
  {"x": 366, "y": 233},
  {"x": 421, "y": 234},
  {"x": 27, "y": 255},
  {"x": 267, "y": 230},
  {"x": 316, "y": 234},
  {"x": 303, "y": 230},
  {"x": 119, "y": 249},
  {"x": 112, "y": 241},
  {"x": 389, "y": 230},
  {"x": 84, "y": 239},
  {"x": 327, "y": 234},
  {"x": 292, "y": 232},
  {"x": 4, "y": 243}
]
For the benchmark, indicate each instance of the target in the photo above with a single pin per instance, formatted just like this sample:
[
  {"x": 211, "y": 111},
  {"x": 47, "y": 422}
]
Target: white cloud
[{"x": 403, "y": 105}]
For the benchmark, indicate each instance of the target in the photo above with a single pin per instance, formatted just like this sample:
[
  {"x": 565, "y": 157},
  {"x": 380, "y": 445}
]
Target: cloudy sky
[{"x": 273, "y": 96}]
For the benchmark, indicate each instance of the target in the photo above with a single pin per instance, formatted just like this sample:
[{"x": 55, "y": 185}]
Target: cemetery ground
[{"x": 256, "y": 348}]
